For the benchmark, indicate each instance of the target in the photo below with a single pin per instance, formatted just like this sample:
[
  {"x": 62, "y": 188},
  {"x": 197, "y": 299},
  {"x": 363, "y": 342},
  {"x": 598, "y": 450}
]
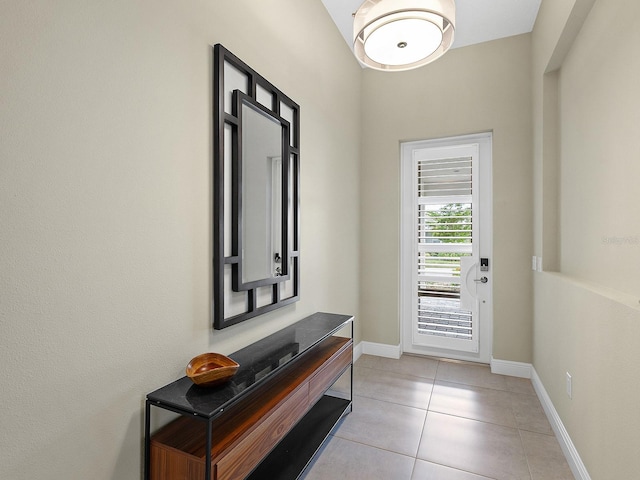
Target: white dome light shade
[
  {"x": 403, "y": 42},
  {"x": 395, "y": 35}
]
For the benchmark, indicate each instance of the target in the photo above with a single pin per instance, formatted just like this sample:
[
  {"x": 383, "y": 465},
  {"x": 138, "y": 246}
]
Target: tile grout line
[
  {"x": 520, "y": 430},
  {"x": 510, "y": 392},
  {"x": 372, "y": 446},
  {"x": 526, "y": 457},
  {"x": 392, "y": 403},
  {"x": 424, "y": 423},
  {"x": 425, "y": 426},
  {"x": 398, "y": 373}
]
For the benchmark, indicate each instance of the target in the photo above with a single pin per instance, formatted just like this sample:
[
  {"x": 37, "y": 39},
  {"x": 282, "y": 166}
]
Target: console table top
[{"x": 257, "y": 361}]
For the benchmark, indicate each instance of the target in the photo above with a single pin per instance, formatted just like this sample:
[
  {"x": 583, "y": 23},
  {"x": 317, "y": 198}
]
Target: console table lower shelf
[
  {"x": 272, "y": 432},
  {"x": 289, "y": 459}
]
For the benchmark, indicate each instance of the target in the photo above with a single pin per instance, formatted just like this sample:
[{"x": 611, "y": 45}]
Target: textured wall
[
  {"x": 474, "y": 89},
  {"x": 600, "y": 163},
  {"x": 587, "y": 315},
  {"x": 105, "y": 208}
]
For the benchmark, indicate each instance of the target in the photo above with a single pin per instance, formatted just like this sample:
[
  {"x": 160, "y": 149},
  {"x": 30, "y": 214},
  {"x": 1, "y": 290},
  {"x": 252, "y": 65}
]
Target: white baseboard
[
  {"x": 380, "y": 349},
  {"x": 357, "y": 351},
  {"x": 512, "y": 369},
  {"x": 571, "y": 454}
]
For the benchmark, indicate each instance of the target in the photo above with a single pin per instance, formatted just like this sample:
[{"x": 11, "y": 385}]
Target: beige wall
[
  {"x": 474, "y": 89},
  {"x": 600, "y": 165},
  {"x": 587, "y": 315},
  {"x": 105, "y": 208}
]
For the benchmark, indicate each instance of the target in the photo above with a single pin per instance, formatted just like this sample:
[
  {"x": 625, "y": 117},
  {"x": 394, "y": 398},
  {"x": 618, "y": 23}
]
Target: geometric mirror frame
[{"x": 256, "y": 181}]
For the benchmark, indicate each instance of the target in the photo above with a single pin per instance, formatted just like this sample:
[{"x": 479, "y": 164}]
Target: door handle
[{"x": 481, "y": 280}]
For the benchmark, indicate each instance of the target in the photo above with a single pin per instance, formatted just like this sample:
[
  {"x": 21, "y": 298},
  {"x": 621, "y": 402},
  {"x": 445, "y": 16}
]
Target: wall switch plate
[
  {"x": 569, "y": 386},
  {"x": 538, "y": 264},
  {"x": 534, "y": 263}
]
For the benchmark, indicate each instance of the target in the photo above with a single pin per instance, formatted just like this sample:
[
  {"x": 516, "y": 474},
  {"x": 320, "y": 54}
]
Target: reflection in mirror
[{"x": 261, "y": 248}]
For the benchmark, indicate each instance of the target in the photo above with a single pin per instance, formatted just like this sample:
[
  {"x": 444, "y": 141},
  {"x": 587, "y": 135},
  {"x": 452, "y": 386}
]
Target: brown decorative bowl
[{"x": 209, "y": 369}]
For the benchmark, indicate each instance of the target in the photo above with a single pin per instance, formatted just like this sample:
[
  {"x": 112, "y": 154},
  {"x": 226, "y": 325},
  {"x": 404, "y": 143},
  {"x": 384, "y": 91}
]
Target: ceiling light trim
[{"x": 373, "y": 15}]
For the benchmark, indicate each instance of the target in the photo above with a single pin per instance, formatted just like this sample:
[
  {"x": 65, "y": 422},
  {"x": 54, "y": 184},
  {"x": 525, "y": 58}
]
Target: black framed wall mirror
[{"x": 256, "y": 258}]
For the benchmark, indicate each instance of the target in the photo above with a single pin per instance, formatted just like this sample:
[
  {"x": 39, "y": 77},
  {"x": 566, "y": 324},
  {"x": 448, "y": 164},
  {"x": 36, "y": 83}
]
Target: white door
[{"x": 446, "y": 230}]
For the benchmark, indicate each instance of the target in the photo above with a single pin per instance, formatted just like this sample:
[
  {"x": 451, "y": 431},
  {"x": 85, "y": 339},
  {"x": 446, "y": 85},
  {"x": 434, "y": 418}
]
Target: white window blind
[
  {"x": 445, "y": 235},
  {"x": 444, "y": 177}
]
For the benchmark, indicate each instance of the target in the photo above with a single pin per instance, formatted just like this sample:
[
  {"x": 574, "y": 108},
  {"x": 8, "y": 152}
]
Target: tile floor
[{"x": 425, "y": 419}]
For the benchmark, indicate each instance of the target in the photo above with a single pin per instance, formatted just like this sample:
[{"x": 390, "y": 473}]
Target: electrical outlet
[
  {"x": 569, "y": 386},
  {"x": 539, "y": 264},
  {"x": 534, "y": 263}
]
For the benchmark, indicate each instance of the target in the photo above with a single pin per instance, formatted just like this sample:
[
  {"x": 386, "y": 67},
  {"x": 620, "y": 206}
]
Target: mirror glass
[{"x": 261, "y": 247}]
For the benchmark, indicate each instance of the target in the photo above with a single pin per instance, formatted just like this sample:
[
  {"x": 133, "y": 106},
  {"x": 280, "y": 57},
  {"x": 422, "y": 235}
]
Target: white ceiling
[{"x": 477, "y": 21}]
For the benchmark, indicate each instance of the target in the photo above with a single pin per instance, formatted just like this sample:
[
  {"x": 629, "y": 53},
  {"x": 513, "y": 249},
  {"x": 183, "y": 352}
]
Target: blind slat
[{"x": 445, "y": 223}]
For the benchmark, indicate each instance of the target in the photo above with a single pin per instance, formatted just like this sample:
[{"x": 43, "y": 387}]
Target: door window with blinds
[{"x": 444, "y": 227}]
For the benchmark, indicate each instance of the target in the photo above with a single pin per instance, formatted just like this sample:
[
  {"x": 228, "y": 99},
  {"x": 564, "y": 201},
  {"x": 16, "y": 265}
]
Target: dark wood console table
[{"x": 269, "y": 421}]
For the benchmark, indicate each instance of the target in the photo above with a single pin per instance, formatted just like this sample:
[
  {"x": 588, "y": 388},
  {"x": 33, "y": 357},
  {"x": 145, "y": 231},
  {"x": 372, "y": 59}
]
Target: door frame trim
[{"x": 484, "y": 140}]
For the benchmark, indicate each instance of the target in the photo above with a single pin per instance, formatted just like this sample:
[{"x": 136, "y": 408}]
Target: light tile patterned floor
[{"x": 424, "y": 419}]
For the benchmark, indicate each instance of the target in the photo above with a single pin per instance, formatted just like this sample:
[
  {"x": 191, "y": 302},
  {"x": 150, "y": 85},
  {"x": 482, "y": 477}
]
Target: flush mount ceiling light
[{"x": 394, "y": 35}]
